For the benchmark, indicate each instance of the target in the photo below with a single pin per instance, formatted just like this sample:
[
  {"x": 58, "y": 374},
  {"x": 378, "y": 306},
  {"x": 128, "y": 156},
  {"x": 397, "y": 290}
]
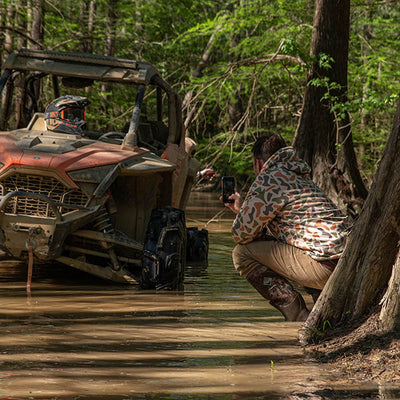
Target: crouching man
[{"x": 286, "y": 229}]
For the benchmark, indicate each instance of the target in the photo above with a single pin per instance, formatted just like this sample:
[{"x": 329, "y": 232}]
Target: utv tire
[
  {"x": 164, "y": 252},
  {"x": 197, "y": 245}
]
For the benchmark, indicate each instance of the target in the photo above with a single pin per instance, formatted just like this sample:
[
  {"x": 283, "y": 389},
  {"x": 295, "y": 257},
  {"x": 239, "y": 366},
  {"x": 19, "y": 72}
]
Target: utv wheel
[
  {"x": 164, "y": 253},
  {"x": 197, "y": 245}
]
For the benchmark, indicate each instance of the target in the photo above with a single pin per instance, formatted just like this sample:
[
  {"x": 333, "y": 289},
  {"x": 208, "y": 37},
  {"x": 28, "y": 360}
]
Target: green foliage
[
  {"x": 254, "y": 75},
  {"x": 229, "y": 159},
  {"x": 319, "y": 335}
]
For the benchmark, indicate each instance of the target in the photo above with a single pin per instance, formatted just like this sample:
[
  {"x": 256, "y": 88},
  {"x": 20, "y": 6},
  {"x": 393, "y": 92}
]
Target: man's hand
[
  {"x": 237, "y": 204},
  {"x": 207, "y": 173}
]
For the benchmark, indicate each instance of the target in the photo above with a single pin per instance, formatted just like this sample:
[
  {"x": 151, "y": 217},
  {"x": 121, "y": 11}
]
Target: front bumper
[{"x": 45, "y": 235}]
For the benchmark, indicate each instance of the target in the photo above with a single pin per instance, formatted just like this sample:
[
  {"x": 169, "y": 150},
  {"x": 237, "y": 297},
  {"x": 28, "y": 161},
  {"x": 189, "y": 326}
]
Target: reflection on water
[{"x": 217, "y": 339}]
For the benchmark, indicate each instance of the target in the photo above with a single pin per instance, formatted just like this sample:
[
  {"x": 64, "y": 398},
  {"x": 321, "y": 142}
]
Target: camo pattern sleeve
[{"x": 284, "y": 199}]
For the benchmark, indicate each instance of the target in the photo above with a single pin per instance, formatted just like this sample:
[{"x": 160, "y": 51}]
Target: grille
[{"x": 45, "y": 185}]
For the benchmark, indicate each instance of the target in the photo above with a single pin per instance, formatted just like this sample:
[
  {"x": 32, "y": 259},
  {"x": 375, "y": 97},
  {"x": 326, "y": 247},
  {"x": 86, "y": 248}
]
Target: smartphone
[{"x": 228, "y": 188}]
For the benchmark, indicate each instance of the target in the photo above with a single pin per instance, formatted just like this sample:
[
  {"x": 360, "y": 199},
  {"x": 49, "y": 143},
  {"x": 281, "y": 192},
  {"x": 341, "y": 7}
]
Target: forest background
[{"x": 239, "y": 66}]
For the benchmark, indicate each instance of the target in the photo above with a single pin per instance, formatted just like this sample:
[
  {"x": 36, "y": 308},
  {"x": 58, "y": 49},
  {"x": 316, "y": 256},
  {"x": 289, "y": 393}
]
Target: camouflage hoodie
[{"x": 284, "y": 199}]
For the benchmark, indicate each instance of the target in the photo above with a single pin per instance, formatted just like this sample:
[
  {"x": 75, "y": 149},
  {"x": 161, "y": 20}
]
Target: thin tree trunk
[
  {"x": 38, "y": 36},
  {"x": 37, "y": 22},
  {"x": 8, "y": 39},
  {"x": 92, "y": 16},
  {"x": 21, "y": 21},
  {"x": 350, "y": 188},
  {"x": 109, "y": 48},
  {"x": 235, "y": 105},
  {"x": 365, "y": 51},
  {"x": 207, "y": 53},
  {"x": 2, "y": 37},
  {"x": 366, "y": 265},
  {"x": 88, "y": 12},
  {"x": 198, "y": 72},
  {"x": 109, "y": 45},
  {"x": 6, "y": 106}
]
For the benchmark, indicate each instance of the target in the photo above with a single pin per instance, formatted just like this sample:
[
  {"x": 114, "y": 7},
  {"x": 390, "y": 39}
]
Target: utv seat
[
  {"x": 153, "y": 135},
  {"x": 160, "y": 131},
  {"x": 37, "y": 123}
]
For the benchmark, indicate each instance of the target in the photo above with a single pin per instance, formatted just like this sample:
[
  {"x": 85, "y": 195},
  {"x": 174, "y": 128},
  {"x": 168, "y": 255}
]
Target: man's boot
[
  {"x": 279, "y": 292},
  {"x": 294, "y": 311}
]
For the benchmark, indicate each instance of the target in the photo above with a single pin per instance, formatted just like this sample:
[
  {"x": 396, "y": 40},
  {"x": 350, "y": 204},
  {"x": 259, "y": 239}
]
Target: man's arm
[{"x": 255, "y": 212}]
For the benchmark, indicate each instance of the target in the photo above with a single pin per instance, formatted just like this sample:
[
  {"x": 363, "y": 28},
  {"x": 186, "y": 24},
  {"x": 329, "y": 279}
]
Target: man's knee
[
  {"x": 242, "y": 260},
  {"x": 238, "y": 255}
]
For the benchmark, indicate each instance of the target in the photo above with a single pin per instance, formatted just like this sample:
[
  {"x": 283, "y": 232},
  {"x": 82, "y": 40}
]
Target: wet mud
[{"x": 76, "y": 337}]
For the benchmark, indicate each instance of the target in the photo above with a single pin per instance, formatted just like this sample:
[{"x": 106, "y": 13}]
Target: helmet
[{"x": 66, "y": 114}]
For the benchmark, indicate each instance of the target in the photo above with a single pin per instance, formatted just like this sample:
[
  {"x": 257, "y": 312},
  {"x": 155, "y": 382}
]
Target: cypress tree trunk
[
  {"x": 366, "y": 266},
  {"x": 390, "y": 312},
  {"x": 319, "y": 130}
]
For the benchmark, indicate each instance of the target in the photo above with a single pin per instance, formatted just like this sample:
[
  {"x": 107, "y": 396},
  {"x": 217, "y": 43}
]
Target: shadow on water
[{"x": 81, "y": 338}]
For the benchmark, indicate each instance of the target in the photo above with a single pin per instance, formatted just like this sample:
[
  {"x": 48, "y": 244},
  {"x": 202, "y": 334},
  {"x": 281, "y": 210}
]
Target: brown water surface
[{"x": 217, "y": 339}]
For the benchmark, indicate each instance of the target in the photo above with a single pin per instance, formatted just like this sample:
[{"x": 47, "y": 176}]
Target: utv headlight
[{"x": 91, "y": 175}]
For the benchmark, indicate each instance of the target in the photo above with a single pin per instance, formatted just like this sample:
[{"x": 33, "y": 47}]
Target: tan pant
[{"x": 287, "y": 261}]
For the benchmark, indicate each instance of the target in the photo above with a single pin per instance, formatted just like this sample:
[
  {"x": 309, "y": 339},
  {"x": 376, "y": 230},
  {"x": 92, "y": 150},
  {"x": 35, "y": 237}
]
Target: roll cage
[{"x": 81, "y": 70}]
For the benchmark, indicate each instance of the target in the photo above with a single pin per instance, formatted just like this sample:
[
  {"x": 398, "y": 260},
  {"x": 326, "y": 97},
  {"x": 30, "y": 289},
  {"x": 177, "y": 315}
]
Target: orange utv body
[{"x": 108, "y": 203}]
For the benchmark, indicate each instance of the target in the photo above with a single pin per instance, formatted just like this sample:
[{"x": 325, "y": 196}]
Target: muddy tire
[
  {"x": 164, "y": 253},
  {"x": 197, "y": 245}
]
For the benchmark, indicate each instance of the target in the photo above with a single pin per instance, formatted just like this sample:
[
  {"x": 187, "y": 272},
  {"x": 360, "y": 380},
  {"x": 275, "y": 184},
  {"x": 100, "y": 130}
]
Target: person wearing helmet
[{"x": 66, "y": 115}]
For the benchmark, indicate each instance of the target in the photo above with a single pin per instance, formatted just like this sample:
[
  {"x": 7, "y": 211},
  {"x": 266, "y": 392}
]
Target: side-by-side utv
[{"x": 110, "y": 203}]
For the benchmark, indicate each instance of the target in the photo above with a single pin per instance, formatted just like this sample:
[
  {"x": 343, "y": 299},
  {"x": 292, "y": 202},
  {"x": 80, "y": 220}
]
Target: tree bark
[
  {"x": 207, "y": 53},
  {"x": 197, "y": 73},
  {"x": 8, "y": 38},
  {"x": 235, "y": 105},
  {"x": 366, "y": 265},
  {"x": 2, "y": 23},
  {"x": 21, "y": 21},
  {"x": 88, "y": 14},
  {"x": 38, "y": 37},
  {"x": 109, "y": 48},
  {"x": 37, "y": 22},
  {"x": 390, "y": 312},
  {"x": 319, "y": 130},
  {"x": 109, "y": 45}
]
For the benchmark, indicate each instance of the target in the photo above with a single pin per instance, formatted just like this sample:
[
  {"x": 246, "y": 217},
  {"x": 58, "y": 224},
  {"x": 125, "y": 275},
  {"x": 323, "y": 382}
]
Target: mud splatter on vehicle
[{"x": 86, "y": 200}]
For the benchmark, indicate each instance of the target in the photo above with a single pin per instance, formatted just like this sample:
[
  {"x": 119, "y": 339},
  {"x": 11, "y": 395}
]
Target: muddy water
[{"x": 217, "y": 339}]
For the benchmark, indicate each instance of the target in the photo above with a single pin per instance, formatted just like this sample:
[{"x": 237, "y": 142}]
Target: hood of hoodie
[{"x": 287, "y": 159}]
